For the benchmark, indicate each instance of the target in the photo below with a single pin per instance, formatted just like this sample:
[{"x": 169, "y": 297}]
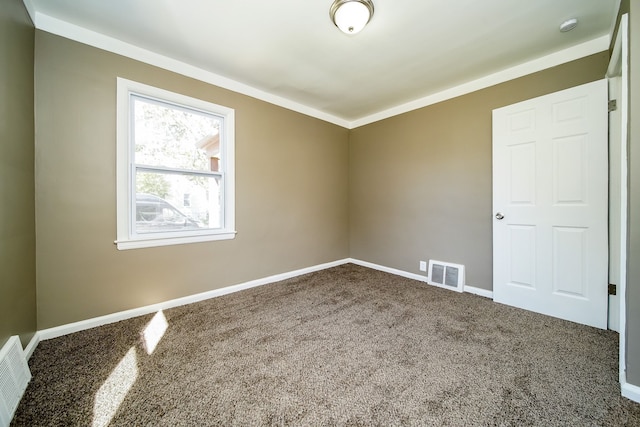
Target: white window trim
[{"x": 124, "y": 160}]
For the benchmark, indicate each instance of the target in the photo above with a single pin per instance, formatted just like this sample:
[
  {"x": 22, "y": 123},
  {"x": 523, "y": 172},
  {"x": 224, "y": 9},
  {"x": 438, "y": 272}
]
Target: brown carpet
[{"x": 347, "y": 346}]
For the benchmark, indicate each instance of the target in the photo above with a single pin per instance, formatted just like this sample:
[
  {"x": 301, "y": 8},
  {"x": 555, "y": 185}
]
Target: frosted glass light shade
[{"x": 351, "y": 16}]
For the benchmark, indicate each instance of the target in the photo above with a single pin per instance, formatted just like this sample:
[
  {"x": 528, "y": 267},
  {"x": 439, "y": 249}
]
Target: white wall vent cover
[
  {"x": 446, "y": 275},
  {"x": 14, "y": 377}
]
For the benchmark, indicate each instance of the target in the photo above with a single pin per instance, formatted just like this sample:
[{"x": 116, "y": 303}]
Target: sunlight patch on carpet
[
  {"x": 112, "y": 393},
  {"x": 154, "y": 332}
]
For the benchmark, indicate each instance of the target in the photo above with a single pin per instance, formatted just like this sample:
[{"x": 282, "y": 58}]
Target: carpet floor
[{"x": 347, "y": 346}]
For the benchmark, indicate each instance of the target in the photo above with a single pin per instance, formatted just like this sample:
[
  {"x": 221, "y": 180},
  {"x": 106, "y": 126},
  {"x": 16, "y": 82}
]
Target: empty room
[{"x": 320, "y": 212}]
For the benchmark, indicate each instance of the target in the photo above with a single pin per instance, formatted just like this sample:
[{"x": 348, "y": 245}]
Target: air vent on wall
[
  {"x": 14, "y": 377},
  {"x": 446, "y": 275}
]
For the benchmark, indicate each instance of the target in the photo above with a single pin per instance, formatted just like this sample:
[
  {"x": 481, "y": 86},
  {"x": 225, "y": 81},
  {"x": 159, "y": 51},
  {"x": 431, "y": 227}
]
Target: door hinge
[
  {"x": 612, "y": 105},
  {"x": 612, "y": 289}
]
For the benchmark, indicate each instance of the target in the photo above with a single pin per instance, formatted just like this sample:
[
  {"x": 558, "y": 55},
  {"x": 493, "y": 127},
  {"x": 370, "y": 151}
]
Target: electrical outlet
[{"x": 423, "y": 266}]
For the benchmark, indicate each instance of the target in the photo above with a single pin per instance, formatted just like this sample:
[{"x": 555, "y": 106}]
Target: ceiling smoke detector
[{"x": 568, "y": 25}]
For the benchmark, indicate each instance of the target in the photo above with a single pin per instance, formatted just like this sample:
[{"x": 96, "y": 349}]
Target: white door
[{"x": 550, "y": 246}]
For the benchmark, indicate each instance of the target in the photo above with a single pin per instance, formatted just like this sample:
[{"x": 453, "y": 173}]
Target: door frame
[{"x": 619, "y": 67}]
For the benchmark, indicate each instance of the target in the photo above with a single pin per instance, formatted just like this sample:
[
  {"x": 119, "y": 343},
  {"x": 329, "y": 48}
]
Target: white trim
[
  {"x": 421, "y": 278},
  {"x": 557, "y": 58},
  {"x": 82, "y": 325},
  {"x": 70, "y": 328},
  {"x": 30, "y": 348},
  {"x": 624, "y": 28},
  {"x": 152, "y": 243},
  {"x": 73, "y": 32},
  {"x": 621, "y": 53},
  {"x": 478, "y": 291},
  {"x": 126, "y": 237},
  {"x": 390, "y": 270},
  {"x": 630, "y": 391}
]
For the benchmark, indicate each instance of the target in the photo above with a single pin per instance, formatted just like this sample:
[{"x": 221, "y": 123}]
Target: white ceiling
[{"x": 289, "y": 52}]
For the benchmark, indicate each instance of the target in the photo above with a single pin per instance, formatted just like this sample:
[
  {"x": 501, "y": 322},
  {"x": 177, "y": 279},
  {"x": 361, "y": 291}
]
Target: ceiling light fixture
[
  {"x": 351, "y": 15},
  {"x": 568, "y": 25}
]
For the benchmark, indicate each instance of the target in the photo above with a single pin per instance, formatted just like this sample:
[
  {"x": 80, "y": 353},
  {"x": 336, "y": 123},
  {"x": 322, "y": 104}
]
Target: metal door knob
[{"x": 499, "y": 215}]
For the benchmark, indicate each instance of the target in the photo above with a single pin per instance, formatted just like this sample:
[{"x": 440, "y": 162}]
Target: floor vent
[
  {"x": 14, "y": 377},
  {"x": 446, "y": 275}
]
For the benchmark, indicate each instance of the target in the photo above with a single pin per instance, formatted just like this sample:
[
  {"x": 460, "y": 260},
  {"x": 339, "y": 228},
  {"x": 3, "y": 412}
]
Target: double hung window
[{"x": 175, "y": 168}]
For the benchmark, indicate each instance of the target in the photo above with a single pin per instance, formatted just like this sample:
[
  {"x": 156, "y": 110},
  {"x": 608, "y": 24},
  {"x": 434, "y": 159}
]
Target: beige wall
[
  {"x": 419, "y": 186},
  {"x": 291, "y": 209},
  {"x": 420, "y": 183},
  {"x": 17, "y": 226},
  {"x": 633, "y": 273}
]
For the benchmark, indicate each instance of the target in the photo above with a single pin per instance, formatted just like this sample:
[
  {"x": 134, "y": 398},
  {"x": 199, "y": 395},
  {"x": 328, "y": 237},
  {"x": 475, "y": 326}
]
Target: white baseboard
[
  {"x": 70, "y": 328},
  {"x": 630, "y": 391},
  {"x": 82, "y": 325},
  {"x": 421, "y": 278},
  {"x": 389, "y": 270},
  {"x": 30, "y": 348},
  {"x": 478, "y": 291}
]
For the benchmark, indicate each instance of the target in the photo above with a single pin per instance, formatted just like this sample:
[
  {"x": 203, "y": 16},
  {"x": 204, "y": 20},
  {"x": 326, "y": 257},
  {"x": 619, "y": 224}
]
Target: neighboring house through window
[{"x": 175, "y": 172}]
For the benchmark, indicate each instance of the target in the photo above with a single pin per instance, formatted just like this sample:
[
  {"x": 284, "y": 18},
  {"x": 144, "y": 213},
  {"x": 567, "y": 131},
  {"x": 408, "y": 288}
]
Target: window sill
[{"x": 168, "y": 241}]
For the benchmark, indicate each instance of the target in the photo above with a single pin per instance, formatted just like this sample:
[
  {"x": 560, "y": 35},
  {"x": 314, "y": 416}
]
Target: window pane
[
  {"x": 176, "y": 202},
  {"x": 171, "y": 136}
]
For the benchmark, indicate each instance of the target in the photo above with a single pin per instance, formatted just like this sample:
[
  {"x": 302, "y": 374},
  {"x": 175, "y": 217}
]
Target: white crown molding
[
  {"x": 557, "y": 58},
  {"x": 73, "y": 32}
]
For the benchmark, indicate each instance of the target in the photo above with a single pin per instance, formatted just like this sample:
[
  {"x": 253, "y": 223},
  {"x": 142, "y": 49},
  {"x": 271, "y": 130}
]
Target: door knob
[{"x": 499, "y": 215}]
